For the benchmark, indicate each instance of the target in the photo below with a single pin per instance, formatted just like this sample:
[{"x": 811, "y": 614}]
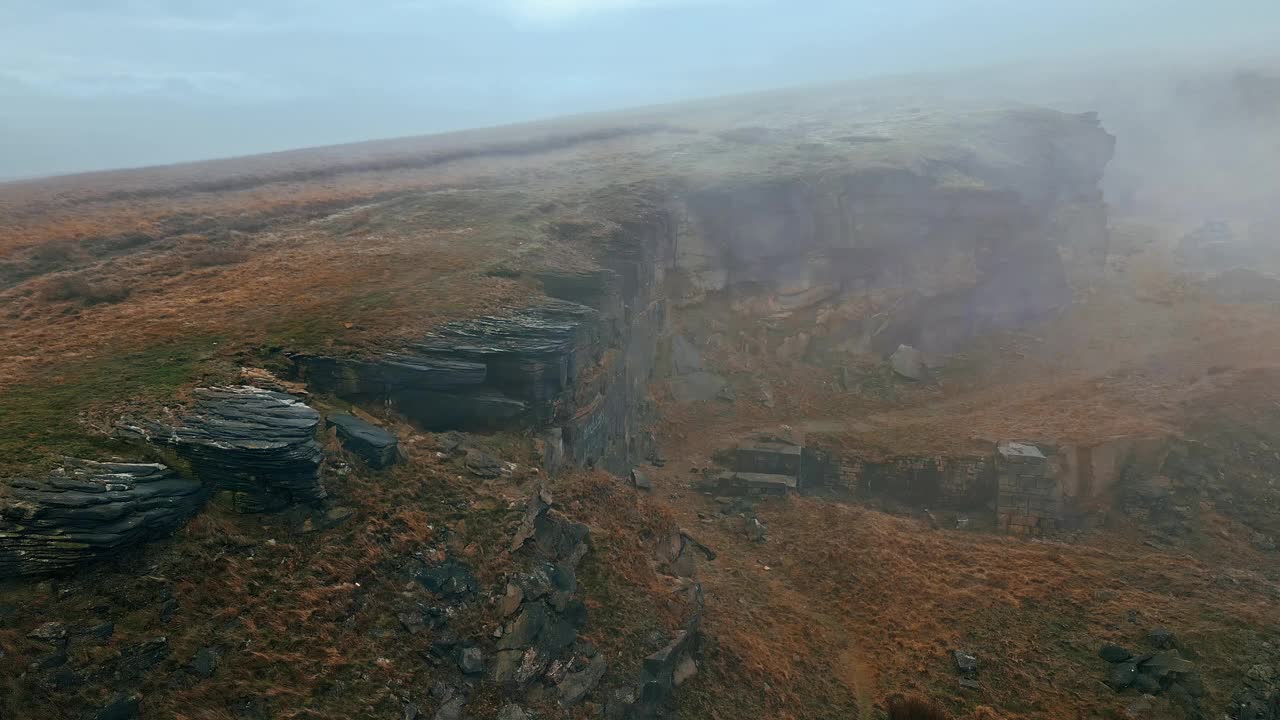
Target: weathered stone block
[{"x": 88, "y": 510}]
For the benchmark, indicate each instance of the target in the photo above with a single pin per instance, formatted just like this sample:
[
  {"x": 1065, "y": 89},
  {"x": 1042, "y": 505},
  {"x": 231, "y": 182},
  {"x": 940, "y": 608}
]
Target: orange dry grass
[
  {"x": 836, "y": 585},
  {"x": 626, "y": 590},
  {"x": 305, "y": 286}
]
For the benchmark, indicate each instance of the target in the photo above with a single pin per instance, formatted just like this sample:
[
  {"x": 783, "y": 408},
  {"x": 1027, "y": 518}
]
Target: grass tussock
[
  {"x": 915, "y": 708},
  {"x": 78, "y": 288}
]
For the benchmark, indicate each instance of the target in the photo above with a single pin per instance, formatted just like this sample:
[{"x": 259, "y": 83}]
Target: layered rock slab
[
  {"x": 89, "y": 510},
  {"x": 377, "y": 447},
  {"x": 473, "y": 374},
  {"x": 258, "y": 444}
]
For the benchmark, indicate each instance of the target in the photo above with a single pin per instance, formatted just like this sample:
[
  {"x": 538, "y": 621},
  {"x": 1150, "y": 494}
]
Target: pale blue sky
[{"x": 87, "y": 84}]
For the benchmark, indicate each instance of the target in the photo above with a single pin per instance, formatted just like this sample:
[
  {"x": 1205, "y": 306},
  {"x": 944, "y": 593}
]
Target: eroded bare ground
[{"x": 122, "y": 293}]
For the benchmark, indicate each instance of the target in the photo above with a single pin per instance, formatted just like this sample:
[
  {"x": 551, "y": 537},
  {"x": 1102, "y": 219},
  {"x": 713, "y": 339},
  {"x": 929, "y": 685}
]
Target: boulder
[
  {"x": 1164, "y": 663},
  {"x": 576, "y": 685},
  {"x": 907, "y": 362},
  {"x": 87, "y": 510},
  {"x": 511, "y": 600},
  {"x": 1122, "y": 675},
  {"x": 205, "y": 662},
  {"x": 1114, "y": 653},
  {"x": 482, "y": 464},
  {"x": 471, "y": 661},
  {"x": 377, "y": 447},
  {"x": 259, "y": 444},
  {"x": 640, "y": 480},
  {"x": 136, "y": 659},
  {"x": 452, "y": 709},
  {"x": 1162, "y": 638},
  {"x": 658, "y": 675},
  {"x": 965, "y": 661},
  {"x": 451, "y": 579}
]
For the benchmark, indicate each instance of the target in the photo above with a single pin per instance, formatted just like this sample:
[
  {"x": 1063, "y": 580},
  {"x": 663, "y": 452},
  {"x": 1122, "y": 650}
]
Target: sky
[{"x": 93, "y": 84}]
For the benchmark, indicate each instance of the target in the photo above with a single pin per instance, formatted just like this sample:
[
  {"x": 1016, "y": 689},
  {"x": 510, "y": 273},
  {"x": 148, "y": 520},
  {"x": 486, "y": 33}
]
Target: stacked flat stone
[
  {"x": 478, "y": 374},
  {"x": 259, "y": 444},
  {"x": 89, "y": 510},
  {"x": 377, "y": 447}
]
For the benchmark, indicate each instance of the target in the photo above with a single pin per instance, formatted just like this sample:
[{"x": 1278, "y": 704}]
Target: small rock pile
[
  {"x": 259, "y": 444},
  {"x": 545, "y": 615},
  {"x": 87, "y": 510},
  {"x": 1257, "y": 697},
  {"x": 1162, "y": 672}
]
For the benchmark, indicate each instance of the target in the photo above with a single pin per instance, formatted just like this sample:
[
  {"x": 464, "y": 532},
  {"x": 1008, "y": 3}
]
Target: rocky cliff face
[
  {"x": 871, "y": 257},
  {"x": 859, "y": 257},
  {"x": 860, "y": 260},
  {"x": 575, "y": 364}
]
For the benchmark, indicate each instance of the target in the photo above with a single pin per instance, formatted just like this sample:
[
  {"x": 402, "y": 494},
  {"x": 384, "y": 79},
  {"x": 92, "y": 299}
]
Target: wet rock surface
[
  {"x": 377, "y": 447},
  {"x": 471, "y": 375},
  {"x": 258, "y": 444},
  {"x": 87, "y": 510},
  {"x": 1162, "y": 671}
]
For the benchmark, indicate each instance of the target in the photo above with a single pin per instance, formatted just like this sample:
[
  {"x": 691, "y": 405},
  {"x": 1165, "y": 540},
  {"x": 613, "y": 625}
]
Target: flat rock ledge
[
  {"x": 378, "y": 448},
  {"x": 87, "y": 510},
  {"x": 258, "y": 444}
]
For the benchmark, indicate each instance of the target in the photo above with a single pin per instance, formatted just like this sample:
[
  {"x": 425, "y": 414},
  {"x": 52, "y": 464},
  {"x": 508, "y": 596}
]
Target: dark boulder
[
  {"x": 575, "y": 686},
  {"x": 377, "y": 447},
  {"x": 471, "y": 661},
  {"x": 259, "y": 444},
  {"x": 482, "y": 464},
  {"x": 1162, "y": 638},
  {"x": 122, "y": 707},
  {"x": 1165, "y": 663},
  {"x": 452, "y": 709},
  {"x": 1114, "y": 653},
  {"x": 1146, "y": 684},
  {"x": 103, "y": 631},
  {"x": 658, "y": 676},
  {"x": 88, "y": 510},
  {"x": 452, "y": 579},
  {"x": 1122, "y": 675},
  {"x": 966, "y": 662},
  {"x": 205, "y": 662}
]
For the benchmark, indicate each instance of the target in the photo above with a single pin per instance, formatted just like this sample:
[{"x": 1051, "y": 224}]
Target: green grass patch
[{"x": 45, "y": 417}]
